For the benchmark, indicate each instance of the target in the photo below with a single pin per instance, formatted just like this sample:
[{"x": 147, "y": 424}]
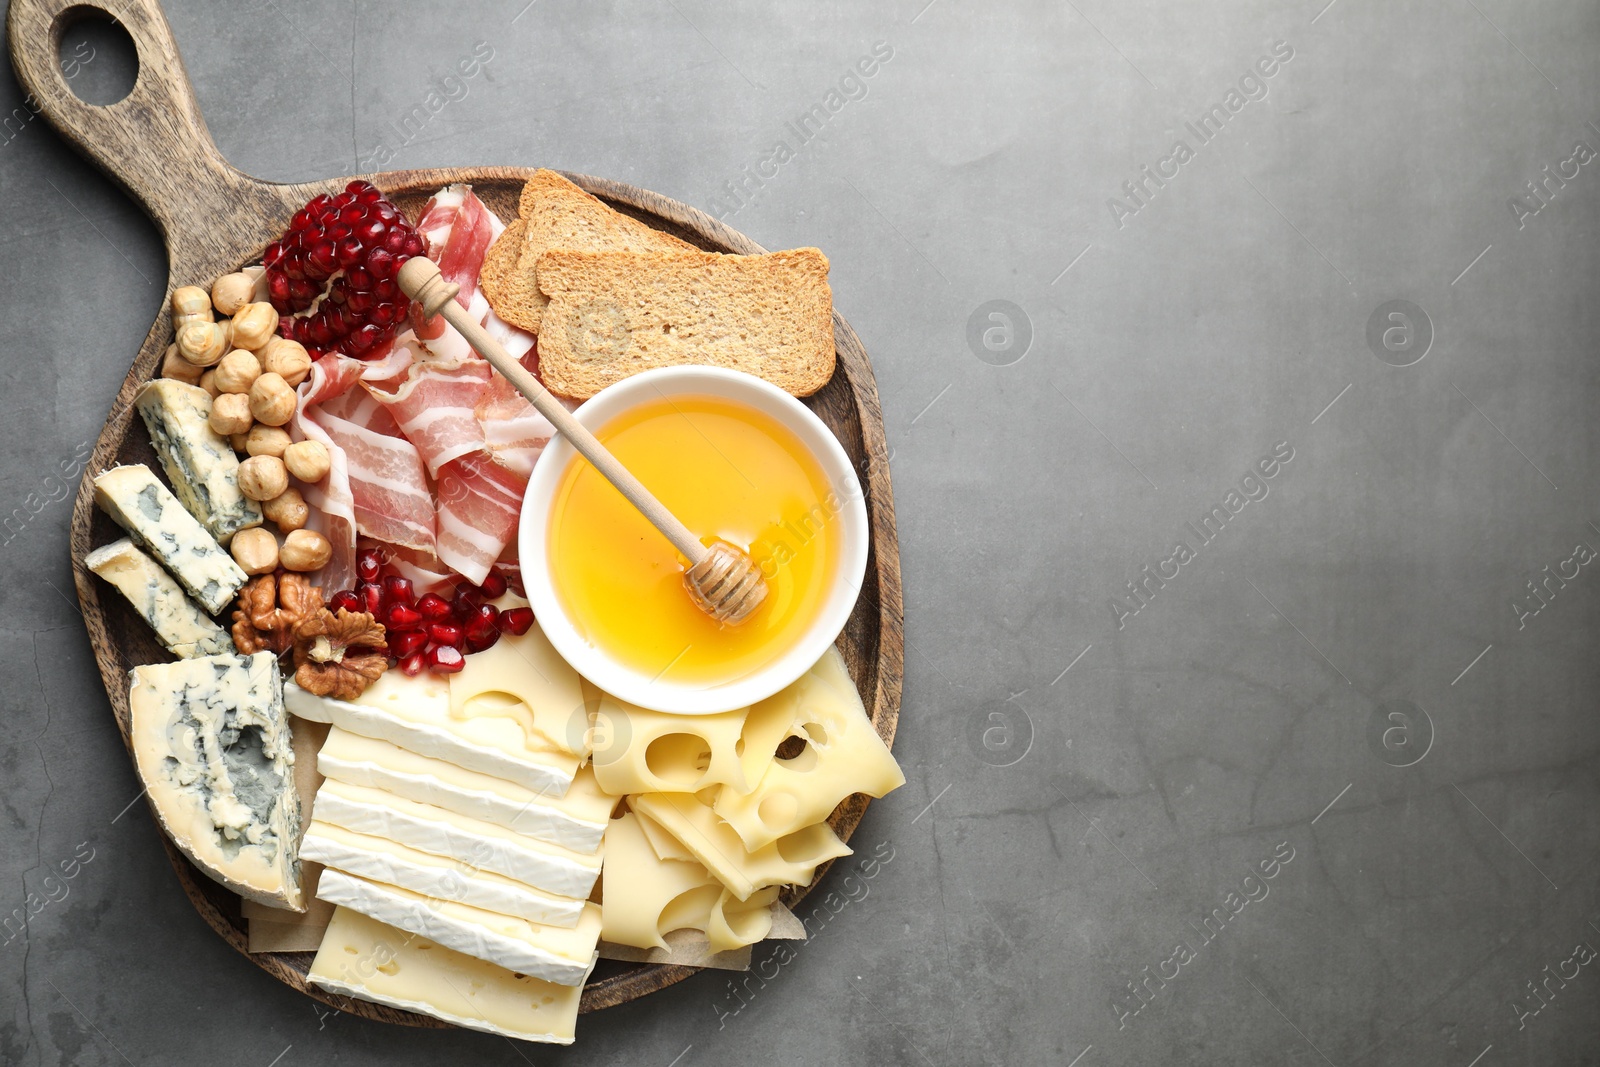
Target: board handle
[{"x": 153, "y": 141}]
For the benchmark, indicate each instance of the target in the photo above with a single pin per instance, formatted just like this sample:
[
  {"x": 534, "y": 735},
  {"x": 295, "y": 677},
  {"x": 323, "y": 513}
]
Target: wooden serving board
[{"x": 216, "y": 219}]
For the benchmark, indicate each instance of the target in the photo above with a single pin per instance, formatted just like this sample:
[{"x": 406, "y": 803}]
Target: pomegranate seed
[
  {"x": 516, "y": 621},
  {"x": 345, "y": 601},
  {"x": 493, "y": 587},
  {"x": 369, "y": 231},
  {"x": 368, "y": 563},
  {"x": 302, "y": 219},
  {"x": 445, "y": 659},
  {"x": 434, "y": 607},
  {"x": 413, "y": 246},
  {"x": 386, "y": 289},
  {"x": 358, "y": 186},
  {"x": 482, "y": 644},
  {"x": 360, "y": 280},
  {"x": 483, "y": 623},
  {"x": 371, "y": 594},
  {"x": 349, "y": 252},
  {"x": 413, "y": 664},
  {"x": 360, "y": 302},
  {"x": 370, "y": 195},
  {"x": 351, "y": 215},
  {"x": 322, "y": 258},
  {"x": 465, "y": 605},
  {"x": 444, "y": 633},
  {"x": 408, "y": 642},
  {"x": 401, "y": 617},
  {"x": 398, "y": 590},
  {"x": 396, "y": 241},
  {"x": 362, "y": 341},
  {"x": 380, "y": 261},
  {"x": 278, "y": 290}
]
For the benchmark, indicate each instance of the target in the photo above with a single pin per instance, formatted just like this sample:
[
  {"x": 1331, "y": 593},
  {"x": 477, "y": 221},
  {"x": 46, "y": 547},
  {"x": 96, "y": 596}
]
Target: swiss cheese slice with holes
[
  {"x": 843, "y": 755},
  {"x": 791, "y": 860},
  {"x": 663, "y": 844},
  {"x": 440, "y": 832},
  {"x": 434, "y": 876},
  {"x": 647, "y": 897},
  {"x": 363, "y": 958},
  {"x": 575, "y": 820},
  {"x": 417, "y": 715},
  {"x": 521, "y": 694},
  {"x": 641, "y": 751}
]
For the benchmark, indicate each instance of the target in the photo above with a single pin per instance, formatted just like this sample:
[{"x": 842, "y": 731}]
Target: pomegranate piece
[
  {"x": 444, "y": 633},
  {"x": 515, "y": 621},
  {"x": 331, "y": 275},
  {"x": 434, "y": 607},
  {"x": 445, "y": 659},
  {"x": 482, "y": 644},
  {"x": 368, "y": 564},
  {"x": 483, "y": 623},
  {"x": 493, "y": 587},
  {"x": 405, "y": 643},
  {"x": 466, "y": 604},
  {"x": 414, "y": 664},
  {"x": 402, "y": 617},
  {"x": 371, "y": 594},
  {"x": 346, "y": 601},
  {"x": 397, "y": 590}
]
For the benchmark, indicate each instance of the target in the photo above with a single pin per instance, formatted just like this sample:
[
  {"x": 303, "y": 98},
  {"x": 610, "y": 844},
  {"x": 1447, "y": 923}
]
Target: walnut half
[
  {"x": 340, "y": 655},
  {"x": 270, "y": 607}
]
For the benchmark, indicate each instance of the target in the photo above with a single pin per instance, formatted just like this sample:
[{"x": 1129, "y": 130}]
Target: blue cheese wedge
[
  {"x": 200, "y": 464},
  {"x": 183, "y": 629},
  {"x": 136, "y": 499},
  {"x": 562, "y": 955},
  {"x": 369, "y": 960},
  {"x": 211, "y": 742}
]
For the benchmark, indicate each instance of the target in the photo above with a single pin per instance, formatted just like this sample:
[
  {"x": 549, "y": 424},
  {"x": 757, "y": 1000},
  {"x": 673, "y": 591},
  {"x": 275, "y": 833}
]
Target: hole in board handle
[{"x": 97, "y": 58}]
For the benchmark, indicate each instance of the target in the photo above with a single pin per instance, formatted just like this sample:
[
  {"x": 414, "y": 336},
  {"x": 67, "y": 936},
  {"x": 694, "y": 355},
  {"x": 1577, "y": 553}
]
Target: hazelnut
[
  {"x": 173, "y": 365},
  {"x": 255, "y": 550},
  {"x": 271, "y": 399},
  {"x": 267, "y": 441},
  {"x": 201, "y": 343},
  {"x": 254, "y": 325},
  {"x": 305, "y": 550},
  {"x": 308, "y": 460},
  {"x": 289, "y": 510},
  {"x": 263, "y": 477},
  {"x": 238, "y": 371},
  {"x": 230, "y": 412},
  {"x": 208, "y": 382},
  {"x": 231, "y": 292},
  {"x": 286, "y": 358},
  {"x": 226, "y": 326},
  {"x": 238, "y": 440},
  {"x": 191, "y": 303}
]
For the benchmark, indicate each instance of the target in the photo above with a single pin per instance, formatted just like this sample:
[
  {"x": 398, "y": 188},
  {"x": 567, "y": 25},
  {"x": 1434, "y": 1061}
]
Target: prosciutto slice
[
  {"x": 436, "y": 409},
  {"x": 479, "y": 502}
]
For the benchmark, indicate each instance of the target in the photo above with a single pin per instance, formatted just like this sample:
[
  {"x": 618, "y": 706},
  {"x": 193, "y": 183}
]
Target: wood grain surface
[{"x": 216, "y": 219}]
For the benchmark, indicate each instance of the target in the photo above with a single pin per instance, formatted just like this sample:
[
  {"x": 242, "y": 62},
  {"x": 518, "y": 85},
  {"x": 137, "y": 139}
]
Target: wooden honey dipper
[{"x": 722, "y": 580}]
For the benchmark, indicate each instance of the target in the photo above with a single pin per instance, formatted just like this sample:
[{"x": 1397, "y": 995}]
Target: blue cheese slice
[
  {"x": 199, "y": 462},
  {"x": 434, "y": 876},
  {"x": 369, "y": 960},
  {"x": 136, "y": 499},
  {"x": 182, "y": 628},
  {"x": 212, "y": 745},
  {"x": 563, "y": 871},
  {"x": 561, "y": 955}
]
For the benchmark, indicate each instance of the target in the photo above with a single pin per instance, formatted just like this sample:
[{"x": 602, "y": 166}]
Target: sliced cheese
[
  {"x": 440, "y": 832},
  {"x": 182, "y": 628},
  {"x": 212, "y": 745},
  {"x": 576, "y": 820},
  {"x": 140, "y": 504},
  {"x": 521, "y": 696},
  {"x": 645, "y": 897},
  {"x": 561, "y": 955},
  {"x": 433, "y": 876},
  {"x": 734, "y": 923},
  {"x": 199, "y": 462},
  {"x": 790, "y": 860},
  {"x": 663, "y": 844},
  {"x": 414, "y": 713},
  {"x": 843, "y": 755},
  {"x": 369, "y": 960},
  {"x": 640, "y": 751}
]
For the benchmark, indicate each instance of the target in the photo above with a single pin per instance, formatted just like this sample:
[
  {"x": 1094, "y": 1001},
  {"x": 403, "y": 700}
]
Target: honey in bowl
[{"x": 727, "y": 471}]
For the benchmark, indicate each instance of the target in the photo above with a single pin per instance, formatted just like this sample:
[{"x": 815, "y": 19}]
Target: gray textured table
[{"x": 1238, "y": 364}]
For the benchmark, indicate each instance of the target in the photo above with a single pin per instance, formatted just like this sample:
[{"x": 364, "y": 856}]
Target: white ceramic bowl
[{"x": 631, "y": 685}]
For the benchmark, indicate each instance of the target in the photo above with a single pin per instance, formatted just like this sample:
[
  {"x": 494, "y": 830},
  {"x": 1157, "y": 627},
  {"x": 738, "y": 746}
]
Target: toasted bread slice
[
  {"x": 558, "y": 214},
  {"x": 502, "y": 283},
  {"x": 614, "y": 314}
]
